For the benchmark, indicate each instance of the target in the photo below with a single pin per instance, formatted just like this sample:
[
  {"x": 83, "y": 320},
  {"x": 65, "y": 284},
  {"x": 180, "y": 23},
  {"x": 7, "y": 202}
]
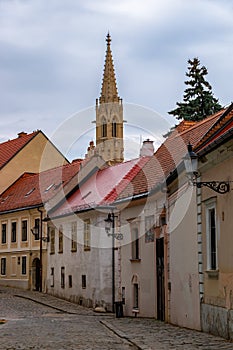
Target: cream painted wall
[
  {"x": 219, "y": 291},
  {"x": 29, "y": 248},
  {"x": 183, "y": 259},
  {"x": 144, "y": 269},
  {"x": 29, "y": 160}
]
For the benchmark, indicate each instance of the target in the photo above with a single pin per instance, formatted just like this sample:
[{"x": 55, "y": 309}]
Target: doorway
[
  {"x": 160, "y": 279},
  {"x": 36, "y": 274}
]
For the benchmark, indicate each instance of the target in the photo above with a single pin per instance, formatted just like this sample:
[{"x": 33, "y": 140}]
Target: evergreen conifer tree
[{"x": 198, "y": 100}]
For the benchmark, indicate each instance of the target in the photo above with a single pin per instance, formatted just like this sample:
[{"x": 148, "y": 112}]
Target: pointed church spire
[{"x": 109, "y": 88}]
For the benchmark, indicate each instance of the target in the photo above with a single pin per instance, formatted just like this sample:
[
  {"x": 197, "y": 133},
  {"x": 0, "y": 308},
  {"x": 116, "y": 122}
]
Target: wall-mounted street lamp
[
  {"x": 37, "y": 232},
  {"x": 110, "y": 226},
  {"x": 191, "y": 167}
]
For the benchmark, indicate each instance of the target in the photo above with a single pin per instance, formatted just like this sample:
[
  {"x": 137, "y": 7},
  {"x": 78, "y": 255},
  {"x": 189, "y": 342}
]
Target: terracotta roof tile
[
  {"x": 168, "y": 156},
  {"x": 9, "y": 149},
  {"x": 102, "y": 188},
  {"x": 35, "y": 189},
  {"x": 222, "y": 125}
]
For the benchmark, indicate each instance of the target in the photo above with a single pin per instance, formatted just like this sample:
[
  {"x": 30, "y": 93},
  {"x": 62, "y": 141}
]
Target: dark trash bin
[{"x": 119, "y": 309}]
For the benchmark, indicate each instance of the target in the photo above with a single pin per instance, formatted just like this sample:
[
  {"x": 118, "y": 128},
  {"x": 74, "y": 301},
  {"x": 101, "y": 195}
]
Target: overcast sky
[{"x": 52, "y": 56}]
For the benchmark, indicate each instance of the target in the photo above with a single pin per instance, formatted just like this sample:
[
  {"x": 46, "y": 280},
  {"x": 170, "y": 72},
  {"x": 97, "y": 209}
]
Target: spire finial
[
  {"x": 109, "y": 88},
  {"x": 108, "y": 39}
]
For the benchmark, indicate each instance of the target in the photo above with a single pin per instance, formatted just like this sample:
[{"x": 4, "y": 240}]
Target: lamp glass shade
[
  {"x": 108, "y": 223},
  {"x": 191, "y": 161}
]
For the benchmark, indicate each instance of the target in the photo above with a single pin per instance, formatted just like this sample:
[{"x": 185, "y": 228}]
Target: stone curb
[
  {"x": 123, "y": 336},
  {"x": 62, "y": 309}
]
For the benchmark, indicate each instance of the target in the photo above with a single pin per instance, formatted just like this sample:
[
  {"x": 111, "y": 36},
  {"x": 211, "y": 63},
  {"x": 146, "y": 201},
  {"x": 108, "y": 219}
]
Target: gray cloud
[{"x": 52, "y": 55}]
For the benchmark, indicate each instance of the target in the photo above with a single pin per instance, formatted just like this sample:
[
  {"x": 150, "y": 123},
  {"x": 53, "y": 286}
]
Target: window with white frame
[
  {"x": 135, "y": 243},
  {"x": 149, "y": 228},
  {"x": 37, "y": 229},
  {"x": 24, "y": 230},
  {"x": 3, "y": 266},
  {"x": 87, "y": 235},
  {"x": 52, "y": 276},
  {"x": 60, "y": 237},
  {"x": 211, "y": 235},
  {"x": 4, "y": 227},
  {"x": 13, "y": 231},
  {"x": 52, "y": 240},
  {"x": 74, "y": 236},
  {"x": 24, "y": 265}
]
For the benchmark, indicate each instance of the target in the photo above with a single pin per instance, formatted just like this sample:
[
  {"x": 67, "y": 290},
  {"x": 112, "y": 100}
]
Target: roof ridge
[
  {"x": 138, "y": 165},
  {"x": 20, "y": 137},
  {"x": 221, "y": 123}
]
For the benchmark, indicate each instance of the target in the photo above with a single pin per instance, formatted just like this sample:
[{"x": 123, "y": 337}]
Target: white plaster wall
[
  {"x": 96, "y": 264},
  {"x": 184, "y": 295},
  {"x": 144, "y": 269}
]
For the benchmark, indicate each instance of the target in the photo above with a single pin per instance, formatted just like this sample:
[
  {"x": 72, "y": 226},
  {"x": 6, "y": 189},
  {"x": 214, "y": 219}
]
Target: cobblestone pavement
[{"x": 39, "y": 321}]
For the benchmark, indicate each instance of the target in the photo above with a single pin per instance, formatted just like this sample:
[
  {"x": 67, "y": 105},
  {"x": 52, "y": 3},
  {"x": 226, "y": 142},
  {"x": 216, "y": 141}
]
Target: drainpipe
[{"x": 41, "y": 264}]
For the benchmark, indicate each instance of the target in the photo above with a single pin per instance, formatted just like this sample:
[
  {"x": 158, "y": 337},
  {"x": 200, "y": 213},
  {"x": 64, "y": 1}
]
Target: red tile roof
[
  {"x": 168, "y": 156},
  {"x": 9, "y": 149},
  {"x": 221, "y": 126},
  {"x": 102, "y": 188},
  {"x": 136, "y": 176},
  {"x": 35, "y": 189}
]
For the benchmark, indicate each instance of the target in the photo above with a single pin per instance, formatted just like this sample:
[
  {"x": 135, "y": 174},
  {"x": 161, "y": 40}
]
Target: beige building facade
[{"x": 20, "y": 249}]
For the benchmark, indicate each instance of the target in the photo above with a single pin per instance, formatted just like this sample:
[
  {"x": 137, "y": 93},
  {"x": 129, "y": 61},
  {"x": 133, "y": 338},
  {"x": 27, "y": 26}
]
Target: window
[
  {"x": 60, "y": 247},
  {"x": 114, "y": 128},
  {"x": 74, "y": 236},
  {"x": 149, "y": 228},
  {"x": 135, "y": 296},
  {"x": 123, "y": 295},
  {"x": 135, "y": 244},
  {"x": 211, "y": 233},
  {"x": 62, "y": 277},
  {"x": 24, "y": 265},
  {"x": 13, "y": 266},
  {"x": 24, "y": 230},
  {"x": 52, "y": 277},
  {"x": 104, "y": 127},
  {"x": 84, "y": 282},
  {"x": 3, "y": 266},
  {"x": 70, "y": 281},
  {"x": 52, "y": 244},
  {"x": 87, "y": 235},
  {"x": 13, "y": 232},
  {"x": 3, "y": 233},
  {"x": 37, "y": 229}
]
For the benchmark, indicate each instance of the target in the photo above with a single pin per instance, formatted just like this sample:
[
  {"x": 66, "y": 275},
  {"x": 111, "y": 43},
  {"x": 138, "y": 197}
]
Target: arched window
[
  {"x": 104, "y": 127},
  {"x": 114, "y": 128}
]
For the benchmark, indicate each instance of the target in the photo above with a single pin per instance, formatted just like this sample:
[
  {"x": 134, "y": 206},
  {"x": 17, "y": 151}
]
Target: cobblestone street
[{"x": 39, "y": 321}]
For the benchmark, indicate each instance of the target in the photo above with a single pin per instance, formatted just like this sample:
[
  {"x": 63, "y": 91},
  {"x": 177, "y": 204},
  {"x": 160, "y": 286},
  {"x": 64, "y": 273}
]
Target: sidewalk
[{"x": 52, "y": 301}]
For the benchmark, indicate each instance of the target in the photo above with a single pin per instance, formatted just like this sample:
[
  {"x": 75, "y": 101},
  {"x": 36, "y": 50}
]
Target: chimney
[
  {"x": 22, "y": 133},
  {"x": 147, "y": 149}
]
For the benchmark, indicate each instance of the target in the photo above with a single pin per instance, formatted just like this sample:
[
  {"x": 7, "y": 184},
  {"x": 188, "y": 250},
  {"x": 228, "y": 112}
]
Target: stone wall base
[{"x": 217, "y": 320}]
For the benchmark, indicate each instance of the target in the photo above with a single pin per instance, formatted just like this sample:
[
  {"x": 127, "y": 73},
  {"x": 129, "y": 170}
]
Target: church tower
[{"x": 109, "y": 115}]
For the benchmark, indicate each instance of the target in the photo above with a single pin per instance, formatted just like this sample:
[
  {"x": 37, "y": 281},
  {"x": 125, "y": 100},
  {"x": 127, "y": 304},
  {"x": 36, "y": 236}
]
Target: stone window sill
[
  {"x": 212, "y": 274},
  {"x": 135, "y": 260}
]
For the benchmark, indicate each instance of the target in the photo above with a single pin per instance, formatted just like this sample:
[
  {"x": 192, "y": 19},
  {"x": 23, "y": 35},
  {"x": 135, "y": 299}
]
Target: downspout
[{"x": 41, "y": 264}]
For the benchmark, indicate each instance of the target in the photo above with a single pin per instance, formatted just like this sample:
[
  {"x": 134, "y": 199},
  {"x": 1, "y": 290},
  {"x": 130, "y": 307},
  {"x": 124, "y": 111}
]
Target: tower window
[
  {"x": 114, "y": 128},
  {"x": 104, "y": 127}
]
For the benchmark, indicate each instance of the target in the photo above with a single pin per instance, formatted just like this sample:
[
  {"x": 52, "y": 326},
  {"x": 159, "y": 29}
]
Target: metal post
[{"x": 113, "y": 263}]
